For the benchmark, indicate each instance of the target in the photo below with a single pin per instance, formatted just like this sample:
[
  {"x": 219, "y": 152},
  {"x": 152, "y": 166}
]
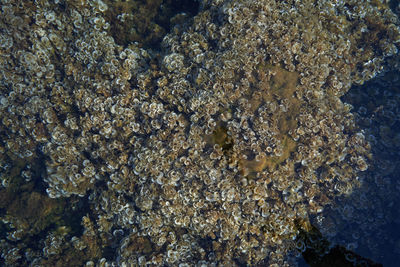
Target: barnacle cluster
[{"x": 205, "y": 151}]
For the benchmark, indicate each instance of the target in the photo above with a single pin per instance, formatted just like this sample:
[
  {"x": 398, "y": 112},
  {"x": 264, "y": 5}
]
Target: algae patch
[{"x": 274, "y": 86}]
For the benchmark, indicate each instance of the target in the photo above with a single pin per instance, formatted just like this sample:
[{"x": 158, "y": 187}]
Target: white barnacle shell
[{"x": 173, "y": 61}]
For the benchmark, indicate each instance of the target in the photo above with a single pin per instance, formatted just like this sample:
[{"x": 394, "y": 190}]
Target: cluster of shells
[{"x": 213, "y": 150}]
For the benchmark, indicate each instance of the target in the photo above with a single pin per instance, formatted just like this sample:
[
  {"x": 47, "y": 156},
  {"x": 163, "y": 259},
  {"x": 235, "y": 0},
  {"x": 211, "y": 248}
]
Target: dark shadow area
[
  {"x": 318, "y": 252},
  {"x": 147, "y": 21},
  {"x": 30, "y": 217},
  {"x": 374, "y": 219},
  {"x": 362, "y": 228}
]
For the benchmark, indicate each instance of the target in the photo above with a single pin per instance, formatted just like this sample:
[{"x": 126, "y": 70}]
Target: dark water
[{"x": 367, "y": 222}]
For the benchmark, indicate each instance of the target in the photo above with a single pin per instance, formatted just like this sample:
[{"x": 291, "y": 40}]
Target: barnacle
[{"x": 202, "y": 145}]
